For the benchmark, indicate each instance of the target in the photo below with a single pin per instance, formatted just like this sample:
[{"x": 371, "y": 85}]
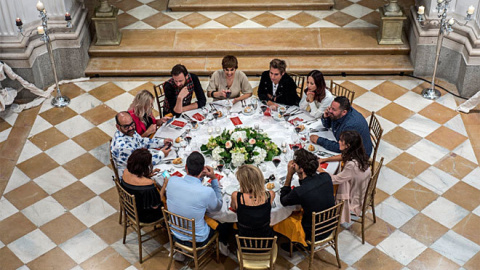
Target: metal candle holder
[
  {"x": 445, "y": 28},
  {"x": 59, "y": 100}
]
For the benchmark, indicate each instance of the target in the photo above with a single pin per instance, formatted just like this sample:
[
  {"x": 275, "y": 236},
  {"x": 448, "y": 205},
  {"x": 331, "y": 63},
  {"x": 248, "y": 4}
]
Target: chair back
[
  {"x": 326, "y": 222},
  {"x": 159, "y": 97},
  {"x": 128, "y": 204},
  {"x": 255, "y": 252},
  {"x": 114, "y": 166},
  {"x": 338, "y": 90},
  {"x": 376, "y": 132},
  {"x": 371, "y": 189},
  {"x": 300, "y": 82},
  {"x": 179, "y": 224}
]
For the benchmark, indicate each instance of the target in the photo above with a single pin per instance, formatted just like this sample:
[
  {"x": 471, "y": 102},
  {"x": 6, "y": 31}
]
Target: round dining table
[{"x": 279, "y": 130}]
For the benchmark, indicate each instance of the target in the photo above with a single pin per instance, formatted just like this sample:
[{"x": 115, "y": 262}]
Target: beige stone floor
[{"x": 59, "y": 206}]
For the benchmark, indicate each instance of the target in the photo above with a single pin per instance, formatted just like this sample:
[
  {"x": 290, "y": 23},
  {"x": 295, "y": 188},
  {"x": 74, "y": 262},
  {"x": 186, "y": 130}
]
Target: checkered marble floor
[
  {"x": 59, "y": 207},
  {"x": 151, "y": 14}
]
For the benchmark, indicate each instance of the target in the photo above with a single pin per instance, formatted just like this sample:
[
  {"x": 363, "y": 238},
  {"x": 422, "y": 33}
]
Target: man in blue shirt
[
  {"x": 340, "y": 116},
  {"x": 189, "y": 198}
]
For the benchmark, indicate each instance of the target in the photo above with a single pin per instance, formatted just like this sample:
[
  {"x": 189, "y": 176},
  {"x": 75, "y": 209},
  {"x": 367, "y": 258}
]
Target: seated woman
[
  {"x": 353, "y": 180},
  {"x": 253, "y": 204},
  {"x": 141, "y": 112},
  {"x": 136, "y": 182},
  {"x": 316, "y": 95},
  {"x": 229, "y": 82}
]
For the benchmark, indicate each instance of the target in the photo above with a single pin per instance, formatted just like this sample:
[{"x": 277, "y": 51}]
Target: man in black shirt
[
  {"x": 276, "y": 86},
  {"x": 179, "y": 92},
  {"x": 315, "y": 192}
]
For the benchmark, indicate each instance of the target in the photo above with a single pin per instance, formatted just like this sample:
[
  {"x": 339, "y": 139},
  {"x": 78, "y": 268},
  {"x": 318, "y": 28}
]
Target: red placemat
[
  {"x": 177, "y": 173},
  {"x": 198, "y": 117},
  {"x": 298, "y": 144},
  {"x": 178, "y": 123},
  {"x": 324, "y": 165},
  {"x": 236, "y": 121},
  {"x": 218, "y": 176}
]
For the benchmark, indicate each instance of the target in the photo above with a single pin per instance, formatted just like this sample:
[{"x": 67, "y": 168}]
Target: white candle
[
  {"x": 40, "y": 30},
  {"x": 421, "y": 10},
  {"x": 40, "y": 6},
  {"x": 471, "y": 10},
  {"x": 451, "y": 21},
  {"x": 439, "y": 1}
]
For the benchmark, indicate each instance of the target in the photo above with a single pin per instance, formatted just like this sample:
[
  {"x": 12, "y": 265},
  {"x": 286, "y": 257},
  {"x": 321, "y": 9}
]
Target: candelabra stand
[
  {"x": 445, "y": 28},
  {"x": 59, "y": 100}
]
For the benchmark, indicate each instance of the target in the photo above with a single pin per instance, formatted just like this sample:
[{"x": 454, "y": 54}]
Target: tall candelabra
[
  {"x": 445, "y": 28},
  {"x": 59, "y": 100}
]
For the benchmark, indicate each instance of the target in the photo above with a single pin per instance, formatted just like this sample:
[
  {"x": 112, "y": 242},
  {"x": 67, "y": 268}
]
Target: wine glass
[
  {"x": 276, "y": 161},
  {"x": 228, "y": 93},
  {"x": 264, "y": 108},
  {"x": 220, "y": 165}
]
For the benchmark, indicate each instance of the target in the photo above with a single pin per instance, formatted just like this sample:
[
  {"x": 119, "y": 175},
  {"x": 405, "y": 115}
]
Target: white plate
[
  {"x": 276, "y": 117},
  {"x": 275, "y": 188},
  {"x": 230, "y": 189},
  {"x": 224, "y": 114},
  {"x": 314, "y": 150},
  {"x": 181, "y": 165},
  {"x": 246, "y": 112}
]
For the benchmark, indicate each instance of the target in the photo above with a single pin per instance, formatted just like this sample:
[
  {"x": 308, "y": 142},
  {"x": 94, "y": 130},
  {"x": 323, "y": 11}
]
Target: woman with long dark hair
[
  {"x": 353, "y": 180},
  {"x": 316, "y": 96}
]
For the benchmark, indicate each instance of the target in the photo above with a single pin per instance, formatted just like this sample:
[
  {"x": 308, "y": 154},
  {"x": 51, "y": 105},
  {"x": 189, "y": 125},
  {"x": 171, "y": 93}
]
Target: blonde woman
[
  {"x": 141, "y": 112},
  {"x": 252, "y": 203}
]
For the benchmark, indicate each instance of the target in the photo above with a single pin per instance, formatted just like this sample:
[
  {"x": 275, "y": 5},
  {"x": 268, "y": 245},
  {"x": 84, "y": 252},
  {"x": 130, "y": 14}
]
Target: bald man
[{"x": 126, "y": 140}]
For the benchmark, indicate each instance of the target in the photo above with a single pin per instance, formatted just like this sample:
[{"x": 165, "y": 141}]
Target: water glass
[
  {"x": 218, "y": 130},
  {"x": 210, "y": 130},
  {"x": 257, "y": 127}
]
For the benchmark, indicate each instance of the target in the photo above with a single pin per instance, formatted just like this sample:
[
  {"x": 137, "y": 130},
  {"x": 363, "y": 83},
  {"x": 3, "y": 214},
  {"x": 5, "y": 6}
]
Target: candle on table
[
  {"x": 451, "y": 21},
  {"x": 68, "y": 17},
  {"x": 40, "y": 6},
  {"x": 439, "y": 1},
  {"x": 421, "y": 10},
  {"x": 471, "y": 10},
  {"x": 40, "y": 30},
  {"x": 18, "y": 22}
]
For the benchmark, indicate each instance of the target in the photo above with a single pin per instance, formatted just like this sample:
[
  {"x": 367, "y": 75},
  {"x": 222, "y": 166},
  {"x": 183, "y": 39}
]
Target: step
[
  {"x": 249, "y": 5},
  {"x": 218, "y": 42},
  {"x": 251, "y": 65}
]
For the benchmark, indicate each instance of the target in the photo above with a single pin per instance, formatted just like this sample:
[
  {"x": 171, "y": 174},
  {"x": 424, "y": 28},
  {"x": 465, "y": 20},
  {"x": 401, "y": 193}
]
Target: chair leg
[
  {"x": 373, "y": 212},
  {"x": 363, "y": 230},
  {"x": 120, "y": 215},
  {"x": 124, "y": 229},
  {"x": 337, "y": 255},
  {"x": 312, "y": 254},
  {"x": 139, "y": 235},
  {"x": 195, "y": 260},
  {"x": 171, "y": 257},
  {"x": 291, "y": 248}
]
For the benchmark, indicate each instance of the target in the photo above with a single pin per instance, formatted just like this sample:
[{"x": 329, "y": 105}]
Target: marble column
[{"x": 27, "y": 54}]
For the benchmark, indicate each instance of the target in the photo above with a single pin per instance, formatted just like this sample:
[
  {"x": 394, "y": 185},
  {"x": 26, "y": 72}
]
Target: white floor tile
[
  {"x": 401, "y": 247},
  {"x": 323, "y": 24},
  {"x": 120, "y": 102},
  {"x": 44, "y": 211},
  {"x": 142, "y": 12},
  {"x": 427, "y": 151},
  {"x": 55, "y": 180},
  {"x": 1, "y": 244},
  {"x": 371, "y": 101},
  {"x": 9, "y": 116},
  {"x": 74, "y": 126},
  {"x": 320, "y": 13},
  {"x": 358, "y": 23},
  {"x": 176, "y": 15},
  {"x": 248, "y": 24},
  {"x": 127, "y": 86},
  {"x": 357, "y": 10},
  {"x": 466, "y": 151},
  {"x": 83, "y": 246},
  {"x": 367, "y": 84},
  {"x": 84, "y": 103},
  {"x": 99, "y": 181},
  {"x": 456, "y": 124},
  {"x": 138, "y": 25},
  {"x": 285, "y": 24},
  {"x": 175, "y": 25},
  {"x": 413, "y": 101},
  {"x": 448, "y": 101},
  {"x": 473, "y": 178},
  {"x": 395, "y": 212},
  {"x": 46, "y": 105},
  {"x": 476, "y": 211},
  {"x": 211, "y": 25},
  {"x": 102, "y": 153},
  {"x": 390, "y": 181},
  {"x": 285, "y": 14},
  {"x": 31, "y": 246},
  {"x": 436, "y": 180},
  {"x": 4, "y": 134},
  {"x": 17, "y": 179},
  {"x": 7, "y": 209},
  {"x": 350, "y": 247},
  {"x": 39, "y": 125},
  {"x": 387, "y": 151},
  {"x": 109, "y": 127},
  {"x": 213, "y": 14},
  {"x": 249, "y": 14},
  {"x": 455, "y": 247},
  {"x": 65, "y": 152},
  {"x": 445, "y": 212},
  {"x": 29, "y": 150},
  {"x": 129, "y": 250},
  {"x": 420, "y": 125},
  {"x": 90, "y": 85},
  {"x": 408, "y": 84},
  {"x": 93, "y": 211},
  {"x": 384, "y": 123}
]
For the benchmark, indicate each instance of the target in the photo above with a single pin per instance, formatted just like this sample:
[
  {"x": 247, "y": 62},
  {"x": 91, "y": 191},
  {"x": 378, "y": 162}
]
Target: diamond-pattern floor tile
[
  {"x": 267, "y": 19},
  {"x": 438, "y": 210},
  {"x": 424, "y": 229},
  {"x": 303, "y": 19},
  {"x": 57, "y": 115},
  {"x": 53, "y": 259},
  {"x": 193, "y": 20},
  {"x": 48, "y": 138},
  {"x": 455, "y": 165},
  {"x": 430, "y": 259},
  {"x": 455, "y": 247},
  {"x": 31, "y": 246},
  {"x": 339, "y": 18},
  {"x": 408, "y": 165},
  {"x": 230, "y": 19},
  {"x": 11, "y": 224}
]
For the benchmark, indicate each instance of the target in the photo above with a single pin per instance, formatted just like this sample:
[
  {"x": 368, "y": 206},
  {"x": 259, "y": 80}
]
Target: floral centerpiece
[{"x": 242, "y": 145}]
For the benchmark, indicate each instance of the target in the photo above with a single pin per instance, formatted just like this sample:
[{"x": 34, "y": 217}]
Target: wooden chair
[
  {"x": 300, "y": 82},
  {"x": 327, "y": 221},
  {"x": 256, "y": 253},
  {"x": 338, "y": 90},
  {"x": 116, "y": 179},
  {"x": 376, "y": 132},
  {"x": 186, "y": 226},
  {"x": 369, "y": 200},
  {"x": 159, "y": 97},
  {"x": 131, "y": 219}
]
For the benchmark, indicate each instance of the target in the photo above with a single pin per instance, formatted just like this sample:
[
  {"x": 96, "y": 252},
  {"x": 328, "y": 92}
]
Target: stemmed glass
[
  {"x": 276, "y": 161},
  {"x": 220, "y": 165}
]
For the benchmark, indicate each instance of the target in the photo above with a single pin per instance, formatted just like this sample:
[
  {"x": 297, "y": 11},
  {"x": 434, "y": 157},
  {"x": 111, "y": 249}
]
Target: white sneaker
[
  {"x": 179, "y": 257},
  {"x": 224, "y": 249}
]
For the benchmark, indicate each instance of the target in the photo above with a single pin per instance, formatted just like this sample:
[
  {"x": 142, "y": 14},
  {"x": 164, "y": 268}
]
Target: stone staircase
[
  {"x": 213, "y": 5},
  {"x": 331, "y": 50}
]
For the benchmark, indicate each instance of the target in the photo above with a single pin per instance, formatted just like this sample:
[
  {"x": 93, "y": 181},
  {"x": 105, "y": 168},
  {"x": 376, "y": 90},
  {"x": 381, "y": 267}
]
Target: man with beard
[
  {"x": 340, "y": 116},
  {"x": 179, "y": 92},
  {"x": 126, "y": 140}
]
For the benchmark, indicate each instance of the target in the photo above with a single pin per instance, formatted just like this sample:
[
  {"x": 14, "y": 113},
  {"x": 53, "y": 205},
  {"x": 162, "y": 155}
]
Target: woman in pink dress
[{"x": 353, "y": 180}]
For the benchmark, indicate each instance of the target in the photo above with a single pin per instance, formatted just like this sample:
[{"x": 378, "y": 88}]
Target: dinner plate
[
  {"x": 224, "y": 114},
  {"x": 309, "y": 146},
  {"x": 276, "y": 116},
  {"x": 275, "y": 188},
  {"x": 249, "y": 110},
  {"x": 181, "y": 165}
]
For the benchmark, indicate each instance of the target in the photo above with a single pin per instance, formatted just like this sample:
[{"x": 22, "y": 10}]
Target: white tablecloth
[{"x": 278, "y": 131}]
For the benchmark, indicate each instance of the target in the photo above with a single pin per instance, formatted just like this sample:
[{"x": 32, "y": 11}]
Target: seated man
[
  {"x": 315, "y": 192},
  {"x": 189, "y": 198},
  {"x": 340, "y": 116},
  {"x": 276, "y": 86},
  {"x": 179, "y": 92},
  {"x": 126, "y": 140}
]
